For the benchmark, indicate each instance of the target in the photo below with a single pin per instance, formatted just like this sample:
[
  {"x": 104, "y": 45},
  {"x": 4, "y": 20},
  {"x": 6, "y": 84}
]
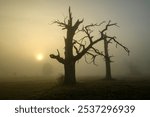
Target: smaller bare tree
[{"x": 107, "y": 40}]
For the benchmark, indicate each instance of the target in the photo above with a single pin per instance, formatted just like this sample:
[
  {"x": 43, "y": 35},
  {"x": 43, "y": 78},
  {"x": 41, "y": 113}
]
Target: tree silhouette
[
  {"x": 107, "y": 40},
  {"x": 75, "y": 49}
]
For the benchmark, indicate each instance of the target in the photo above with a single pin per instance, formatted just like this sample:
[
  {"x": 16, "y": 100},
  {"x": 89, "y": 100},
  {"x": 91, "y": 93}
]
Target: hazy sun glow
[{"x": 39, "y": 57}]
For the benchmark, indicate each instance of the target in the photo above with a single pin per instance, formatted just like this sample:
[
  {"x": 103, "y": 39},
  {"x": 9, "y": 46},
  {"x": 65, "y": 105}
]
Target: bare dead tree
[
  {"x": 75, "y": 49},
  {"x": 107, "y": 40}
]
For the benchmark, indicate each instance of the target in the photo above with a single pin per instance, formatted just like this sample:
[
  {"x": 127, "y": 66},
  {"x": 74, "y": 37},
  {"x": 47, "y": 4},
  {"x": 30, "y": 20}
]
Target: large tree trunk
[
  {"x": 70, "y": 77},
  {"x": 69, "y": 65},
  {"x": 107, "y": 61}
]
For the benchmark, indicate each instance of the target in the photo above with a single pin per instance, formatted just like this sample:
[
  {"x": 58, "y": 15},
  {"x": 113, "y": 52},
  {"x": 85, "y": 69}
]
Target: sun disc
[{"x": 39, "y": 57}]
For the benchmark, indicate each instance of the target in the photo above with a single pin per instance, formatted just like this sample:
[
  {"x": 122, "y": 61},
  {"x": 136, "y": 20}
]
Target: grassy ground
[{"x": 90, "y": 89}]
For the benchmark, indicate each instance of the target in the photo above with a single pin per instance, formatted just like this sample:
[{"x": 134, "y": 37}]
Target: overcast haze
[{"x": 26, "y": 34}]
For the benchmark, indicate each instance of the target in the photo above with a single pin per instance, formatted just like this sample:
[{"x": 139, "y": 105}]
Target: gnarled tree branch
[
  {"x": 88, "y": 31},
  {"x": 118, "y": 43},
  {"x": 57, "y": 57}
]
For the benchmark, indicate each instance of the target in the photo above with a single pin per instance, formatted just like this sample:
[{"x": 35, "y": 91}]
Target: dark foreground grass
[{"x": 136, "y": 89}]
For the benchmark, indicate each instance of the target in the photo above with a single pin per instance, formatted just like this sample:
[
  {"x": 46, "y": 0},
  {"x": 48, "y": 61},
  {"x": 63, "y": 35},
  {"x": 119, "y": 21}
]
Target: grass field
[{"x": 126, "y": 88}]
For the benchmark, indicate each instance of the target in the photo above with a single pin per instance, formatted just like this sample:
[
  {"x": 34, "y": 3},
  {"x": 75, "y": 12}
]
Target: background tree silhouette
[
  {"x": 107, "y": 40},
  {"x": 75, "y": 49}
]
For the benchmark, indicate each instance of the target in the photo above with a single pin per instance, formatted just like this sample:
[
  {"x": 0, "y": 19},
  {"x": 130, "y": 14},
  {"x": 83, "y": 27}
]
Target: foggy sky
[{"x": 26, "y": 30}]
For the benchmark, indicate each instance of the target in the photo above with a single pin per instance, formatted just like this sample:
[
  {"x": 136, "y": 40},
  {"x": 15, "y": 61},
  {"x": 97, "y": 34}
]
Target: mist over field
[{"x": 27, "y": 37}]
